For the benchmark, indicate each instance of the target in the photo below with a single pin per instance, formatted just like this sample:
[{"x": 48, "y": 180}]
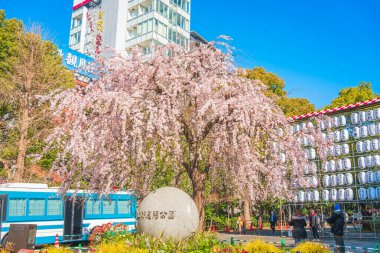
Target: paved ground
[{"x": 277, "y": 238}]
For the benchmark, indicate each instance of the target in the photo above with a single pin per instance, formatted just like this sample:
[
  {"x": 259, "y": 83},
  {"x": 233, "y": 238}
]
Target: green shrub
[
  {"x": 310, "y": 247},
  {"x": 258, "y": 246}
]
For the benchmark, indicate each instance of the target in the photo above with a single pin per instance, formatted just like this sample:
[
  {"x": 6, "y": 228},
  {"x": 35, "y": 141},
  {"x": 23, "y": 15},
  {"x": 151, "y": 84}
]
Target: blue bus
[{"x": 55, "y": 214}]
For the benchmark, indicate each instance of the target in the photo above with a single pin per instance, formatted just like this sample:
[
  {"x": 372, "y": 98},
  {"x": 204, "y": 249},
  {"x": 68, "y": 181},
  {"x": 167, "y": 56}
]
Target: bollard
[
  {"x": 282, "y": 242},
  {"x": 376, "y": 248},
  {"x": 79, "y": 248},
  {"x": 232, "y": 241}
]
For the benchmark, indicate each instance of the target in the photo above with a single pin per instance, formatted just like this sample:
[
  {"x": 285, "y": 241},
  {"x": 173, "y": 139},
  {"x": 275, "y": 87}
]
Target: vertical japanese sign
[{"x": 77, "y": 62}]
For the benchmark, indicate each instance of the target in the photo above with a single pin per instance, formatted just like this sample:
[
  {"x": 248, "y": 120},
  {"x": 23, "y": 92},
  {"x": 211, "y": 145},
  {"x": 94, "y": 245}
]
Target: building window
[
  {"x": 109, "y": 207},
  {"x": 75, "y": 38},
  {"x": 161, "y": 28},
  {"x": 54, "y": 207},
  {"x": 17, "y": 207},
  {"x": 75, "y": 22},
  {"x": 36, "y": 207},
  {"x": 124, "y": 206},
  {"x": 93, "y": 206}
]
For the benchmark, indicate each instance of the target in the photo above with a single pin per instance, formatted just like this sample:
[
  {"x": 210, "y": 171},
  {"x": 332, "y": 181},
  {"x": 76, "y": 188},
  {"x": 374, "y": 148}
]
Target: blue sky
[{"x": 316, "y": 46}]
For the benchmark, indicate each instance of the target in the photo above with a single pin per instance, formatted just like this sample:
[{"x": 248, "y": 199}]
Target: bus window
[
  {"x": 93, "y": 207},
  {"x": 17, "y": 207},
  {"x": 36, "y": 207},
  {"x": 109, "y": 206},
  {"x": 54, "y": 207},
  {"x": 124, "y": 206}
]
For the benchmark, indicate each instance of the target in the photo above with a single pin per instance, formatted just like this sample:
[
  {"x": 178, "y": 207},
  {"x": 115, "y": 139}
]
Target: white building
[{"x": 124, "y": 24}]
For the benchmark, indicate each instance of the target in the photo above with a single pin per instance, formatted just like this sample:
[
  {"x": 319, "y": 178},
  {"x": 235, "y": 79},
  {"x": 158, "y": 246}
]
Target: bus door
[
  {"x": 3, "y": 211},
  {"x": 73, "y": 219}
]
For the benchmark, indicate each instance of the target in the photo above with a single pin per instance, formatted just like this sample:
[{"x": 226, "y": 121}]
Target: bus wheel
[{"x": 4, "y": 242}]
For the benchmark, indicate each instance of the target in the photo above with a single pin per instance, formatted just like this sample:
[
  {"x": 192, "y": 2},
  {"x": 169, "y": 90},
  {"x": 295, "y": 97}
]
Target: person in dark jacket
[
  {"x": 336, "y": 221},
  {"x": 273, "y": 221},
  {"x": 314, "y": 222},
  {"x": 299, "y": 223}
]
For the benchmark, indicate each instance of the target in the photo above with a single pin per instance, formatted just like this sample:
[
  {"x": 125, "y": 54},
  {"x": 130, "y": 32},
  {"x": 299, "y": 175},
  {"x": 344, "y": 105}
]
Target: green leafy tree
[
  {"x": 295, "y": 106},
  {"x": 352, "y": 95},
  {"x": 273, "y": 81},
  {"x": 34, "y": 70}
]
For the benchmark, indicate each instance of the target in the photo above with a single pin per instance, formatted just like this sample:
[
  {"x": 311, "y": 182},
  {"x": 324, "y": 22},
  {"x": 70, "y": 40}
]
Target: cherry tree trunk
[
  {"x": 247, "y": 213},
  {"x": 22, "y": 144},
  {"x": 198, "y": 182}
]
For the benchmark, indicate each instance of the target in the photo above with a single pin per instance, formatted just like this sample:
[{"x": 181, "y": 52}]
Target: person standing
[
  {"x": 241, "y": 224},
  {"x": 299, "y": 231},
  {"x": 273, "y": 221},
  {"x": 336, "y": 221},
  {"x": 314, "y": 222}
]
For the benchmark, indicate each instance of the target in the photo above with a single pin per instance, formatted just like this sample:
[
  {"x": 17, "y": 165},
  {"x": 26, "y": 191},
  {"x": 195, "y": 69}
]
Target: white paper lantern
[
  {"x": 363, "y": 131},
  {"x": 339, "y": 165},
  {"x": 361, "y": 162},
  {"x": 326, "y": 181},
  {"x": 341, "y": 194},
  {"x": 376, "y": 113},
  {"x": 306, "y": 169},
  {"x": 297, "y": 128},
  {"x": 337, "y": 136},
  {"x": 356, "y": 132},
  {"x": 378, "y": 192},
  {"x": 345, "y": 149},
  {"x": 348, "y": 194},
  {"x": 306, "y": 154},
  {"x": 367, "y": 146},
  {"x": 362, "y": 177},
  {"x": 322, "y": 125},
  {"x": 335, "y": 121},
  {"x": 378, "y": 128},
  {"x": 362, "y": 116},
  {"x": 372, "y": 130},
  {"x": 324, "y": 136},
  {"x": 326, "y": 195},
  {"x": 333, "y": 180},
  {"x": 301, "y": 196},
  {"x": 331, "y": 150},
  {"x": 315, "y": 195},
  {"x": 333, "y": 195},
  {"x": 340, "y": 179},
  {"x": 344, "y": 135},
  {"x": 376, "y": 160},
  {"x": 325, "y": 167},
  {"x": 374, "y": 144},
  {"x": 377, "y": 176},
  {"x": 368, "y": 161},
  {"x": 332, "y": 166},
  {"x": 312, "y": 153},
  {"x": 313, "y": 168},
  {"x": 282, "y": 157},
  {"x": 338, "y": 150},
  {"x": 313, "y": 181},
  {"x": 370, "y": 177},
  {"x": 362, "y": 192},
  {"x": 354, "y": 118},
  {"x": 371, "y": 193},
  {"x": 308, "y": 196},
  {"x": 328, "y": 124},
  {"x": 342, "y": 120},
  {"x": 303, "y": 127},
  {"x": 309, "y": 125},
  {"x": 347, "y": 163},
  {"x": 305, "y": 141},
  {"x": 295, "y": 198},
  {"x": 370, "y": 115},
  {"x": 359, "y": 147},
  {"x": 348, "y": 179}
]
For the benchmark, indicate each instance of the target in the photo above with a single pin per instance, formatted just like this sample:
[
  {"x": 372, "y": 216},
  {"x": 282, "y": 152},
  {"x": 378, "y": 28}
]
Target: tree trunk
[
  {"x": 247, "y": 213},
  {"x": 198, "y": 181},
  {"x": 22, "y": 144}
]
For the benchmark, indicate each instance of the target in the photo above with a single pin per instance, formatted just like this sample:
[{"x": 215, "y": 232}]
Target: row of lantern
[
  {"x": 336, "y": 165},
  {"x": 364, "y": 116},
  {"x": 368, "y": 177},
  {"x": 357, "y": 133},
  {"x": 338, "y": 150},
  {"x": 367, "y": 145},
  {"x": 338, "y": 195},
  {"x": 368, "y": 161}
]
